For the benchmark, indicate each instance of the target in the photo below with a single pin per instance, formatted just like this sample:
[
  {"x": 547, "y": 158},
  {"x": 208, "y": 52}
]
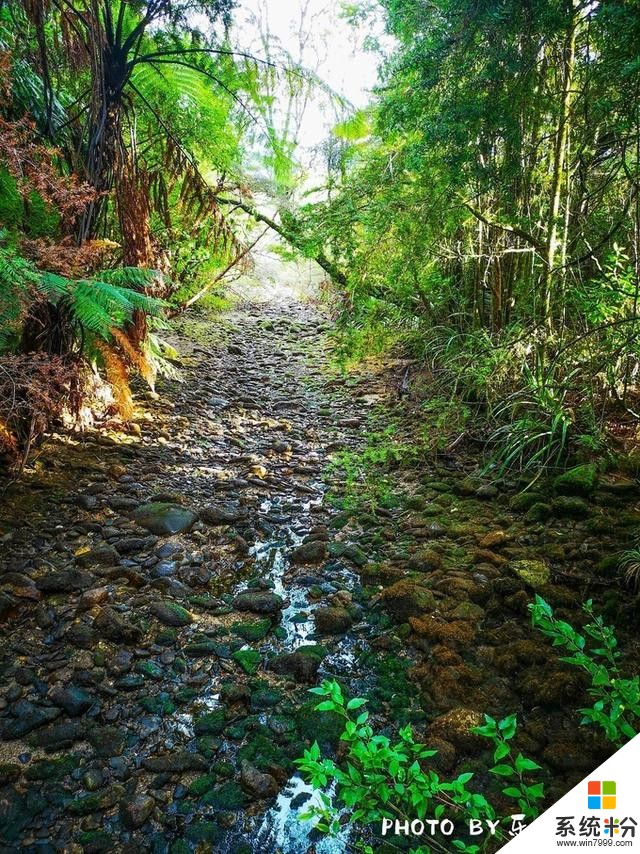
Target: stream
[{"x": 170, "y": 592}]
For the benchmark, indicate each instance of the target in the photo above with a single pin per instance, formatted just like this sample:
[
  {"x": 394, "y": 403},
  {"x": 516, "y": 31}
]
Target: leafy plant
[
  {"x": 383, "y": 779},
  {"x": 617, "y": 698}
]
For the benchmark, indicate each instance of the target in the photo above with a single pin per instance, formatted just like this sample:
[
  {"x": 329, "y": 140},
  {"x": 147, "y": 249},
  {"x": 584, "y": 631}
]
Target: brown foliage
[
  {"x": 35, "y": 390},
  {"x": 118, "y": 378},
  {"x": 68, "y": 259},
  {"x": 33, "y": 167}
]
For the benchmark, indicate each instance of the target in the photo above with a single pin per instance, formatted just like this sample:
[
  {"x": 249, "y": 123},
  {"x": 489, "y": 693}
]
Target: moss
[
  {"x": 323, "y": 727},
  {"x": 150, "y": 670},
  {"x": 204, "y": 831},
  {"x": 96, "y": 840},
  {"x": 208, "y": 745},
  {"x": 262, "y": 751},
  {"x": 166, "y": 637},
  {"x": 248, "y": 659},
  {"x": 254, "y": 631},
  {"x": 228, "y": 796},
  {"x": 580, "y": 480},
  {"x": 161, "y": 704},
  {"x": 52, "y": 769},
  {"x": 185, "y": 695},
  {"x": 202, "y": 785},
  {"x": 211, "y": 723}
]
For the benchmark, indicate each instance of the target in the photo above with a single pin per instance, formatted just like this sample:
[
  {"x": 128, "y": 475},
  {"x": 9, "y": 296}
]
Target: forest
[{"x": 319, "y": 421}]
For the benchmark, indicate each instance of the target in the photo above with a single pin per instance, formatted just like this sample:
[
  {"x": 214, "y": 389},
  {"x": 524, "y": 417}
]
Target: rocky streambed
[{"x": 168, "y": 596}]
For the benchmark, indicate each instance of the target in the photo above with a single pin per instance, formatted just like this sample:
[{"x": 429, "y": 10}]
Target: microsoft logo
[{"x": 601, "y": 795}]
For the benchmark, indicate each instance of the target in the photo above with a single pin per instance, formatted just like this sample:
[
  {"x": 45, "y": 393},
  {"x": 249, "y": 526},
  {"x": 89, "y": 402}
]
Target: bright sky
[{"x": 320, "y": 39}]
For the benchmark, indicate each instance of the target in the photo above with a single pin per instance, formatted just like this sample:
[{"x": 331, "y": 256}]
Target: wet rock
[
  {"x": 58, "y": 736},
  {"x": 570, "y": 507},
  {"x": 257, "y": 783},
  {"x": 535, "y": 573},
  {"x": 178, "y": 762},
  {"x": 299, "y": 665},
  {"x": 164, "y": 519},
  {"x": 171, "y": 614},
  {"x": 113, "y": 627},
  {"x": 406, "y": 599},
  {"x": 252, "y": 631},
  {"x": 73, "y": 699},
  {"x": 580, "y": 480},
  {"x": 248, "y": 659},
  {"x": 66, "y": 581},
  {"x": 91, "y": 598},
  {"x": 201, "y": 649},
  {"x": 81, "y": 635},
  {"x": 134, "y": 813},
  {"x": 332, "y": 621},
  {"x": 107, "y": 741},
  {"x": 218, "y": 515},
  {"x": 27, "y": 717},
  {"x": 133, "y": 545},
  {"x": 313, "y": 552},
  {"x": 101, "y": 555},
  {"x": 97, "y": 802},
  {"x": 456, "y": 727},
  {"x": 258, "y": 602}
]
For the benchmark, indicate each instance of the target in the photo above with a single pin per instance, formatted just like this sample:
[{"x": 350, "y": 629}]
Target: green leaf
[{"x": 502, "y": 770}]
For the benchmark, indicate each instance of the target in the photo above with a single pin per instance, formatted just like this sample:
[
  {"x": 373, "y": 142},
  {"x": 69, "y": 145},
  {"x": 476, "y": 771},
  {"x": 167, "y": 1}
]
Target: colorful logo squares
[{"x": 601, "y": 795}]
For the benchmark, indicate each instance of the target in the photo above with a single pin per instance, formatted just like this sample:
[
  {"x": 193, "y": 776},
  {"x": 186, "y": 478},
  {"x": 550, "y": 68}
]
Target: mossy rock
[
  {"x": 161, "y": 704},
  {"x": 265, "y": 696},
  {"x": 211, "y": 723},
  {"x": 579, "y": 480},
  {"x": 52, "y": 769},
  {"x": 570, "y": 507},
  {"x": 535, "y": 573},
  {"x": 228, "y": 796},
  {"x": 208, "y": 745},
  {"x": 9, "y": 773},
  {"x": 97, "y": 802},
  {"x": 539, "y": 512},
  {"x": 252, "y": 631},
  {"x": 95, "y": 841},
  {"x": 204, "y": 831},
  {"x": 150, "y": 670},
  {"x": 323, "y": 727},
  {"x": 524, "y": 500},
  {"x": 248, "y": 659},
  {"x": 185, "y": 695},
  {"x": 262, "y": 751},
  {"x": 201, "y": 785}
]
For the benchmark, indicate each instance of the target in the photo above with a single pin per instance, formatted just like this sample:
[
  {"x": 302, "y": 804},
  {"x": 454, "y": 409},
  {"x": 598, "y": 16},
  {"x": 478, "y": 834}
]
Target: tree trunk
[{"x": 552, "y": 242}]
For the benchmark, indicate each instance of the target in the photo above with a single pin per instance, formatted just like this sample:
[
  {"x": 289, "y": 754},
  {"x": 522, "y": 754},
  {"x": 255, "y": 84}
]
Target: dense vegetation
[
  {"x": 122, "y": 129},
  {"x": 477, "y": 226},
  {"x": 485, "y": 210}
]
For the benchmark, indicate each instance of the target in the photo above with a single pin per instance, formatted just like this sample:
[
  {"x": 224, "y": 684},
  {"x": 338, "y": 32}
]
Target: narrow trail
[{"x": 169, "y": 596}]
